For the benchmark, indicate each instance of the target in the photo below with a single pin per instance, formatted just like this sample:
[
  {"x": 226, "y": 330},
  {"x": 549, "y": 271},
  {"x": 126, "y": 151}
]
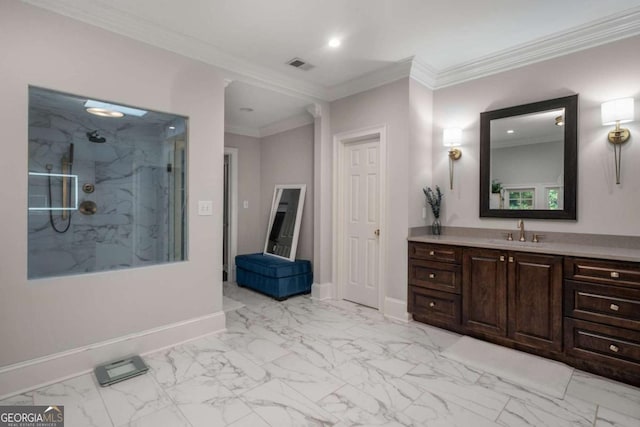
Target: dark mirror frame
[{"x": 570, "y": 104}]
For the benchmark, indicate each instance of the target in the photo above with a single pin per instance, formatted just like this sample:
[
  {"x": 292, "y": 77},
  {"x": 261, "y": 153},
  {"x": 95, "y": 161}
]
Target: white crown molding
[
  {"x": 289, "y": 123},
  {"x": 381, "y": 77},
  {"x": 609, "y": 29},
  {"x": 286, "y": 124},
  {"x": 242, "y": 130},
  {"x": 423, "y": 73},
  {"x": 315, "y": 110},
  {"x": 111, "y": 19},
  {"x": 596, "y": 33}
]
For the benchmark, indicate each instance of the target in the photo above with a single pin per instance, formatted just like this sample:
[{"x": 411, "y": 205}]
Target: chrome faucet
[{"x": 521, "y": 227}]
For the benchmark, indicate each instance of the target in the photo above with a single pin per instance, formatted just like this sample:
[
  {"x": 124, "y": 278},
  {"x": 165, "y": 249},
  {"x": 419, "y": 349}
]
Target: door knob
[{"x": 377, "y": 232}]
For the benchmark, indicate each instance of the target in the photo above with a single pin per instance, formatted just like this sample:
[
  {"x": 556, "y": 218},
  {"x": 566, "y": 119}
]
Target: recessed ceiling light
[
  {"x": 246, "y": 109},
  {"x": 510, "y": 131},
  {"x": 103, "y": 112},
  {"x": 335, "y": 42},
  {"x": 105, "y": 107}
]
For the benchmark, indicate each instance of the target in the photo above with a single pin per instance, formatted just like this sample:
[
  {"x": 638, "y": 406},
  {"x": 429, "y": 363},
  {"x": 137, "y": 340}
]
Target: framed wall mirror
[
  {"x": 528, "y": 160},
  {"x": 284, "y": 221}
]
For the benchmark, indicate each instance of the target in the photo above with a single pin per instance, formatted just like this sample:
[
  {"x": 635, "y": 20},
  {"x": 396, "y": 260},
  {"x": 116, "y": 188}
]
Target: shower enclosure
[{"x": 107, "y": 186}]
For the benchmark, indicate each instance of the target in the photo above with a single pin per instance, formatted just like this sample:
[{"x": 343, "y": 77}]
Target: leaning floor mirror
[{"x": 284, "y": 221}]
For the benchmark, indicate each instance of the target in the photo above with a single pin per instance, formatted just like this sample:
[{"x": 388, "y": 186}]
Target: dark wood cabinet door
[
  {"x": 484, "y": 291},
  {"x": 535, "y": 300}
]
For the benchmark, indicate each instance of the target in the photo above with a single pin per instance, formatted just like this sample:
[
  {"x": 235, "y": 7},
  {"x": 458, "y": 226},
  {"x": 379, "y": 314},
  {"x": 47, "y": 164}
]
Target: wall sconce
[
  {"x": 616, "y": 112},
  {"x": 452, "y": 138}
]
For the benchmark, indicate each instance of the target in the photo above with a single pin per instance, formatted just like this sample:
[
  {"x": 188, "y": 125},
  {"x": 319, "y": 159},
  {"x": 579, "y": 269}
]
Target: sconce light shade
[
  {"x": 613, "y": 113},
  {"x": 452, "y": 137},
  {"x": 618, "y": 110}
]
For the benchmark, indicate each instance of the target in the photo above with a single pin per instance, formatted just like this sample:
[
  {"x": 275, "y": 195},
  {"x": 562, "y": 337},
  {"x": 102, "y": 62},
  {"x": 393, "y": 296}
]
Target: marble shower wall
[{"x": 129, "y": 171}]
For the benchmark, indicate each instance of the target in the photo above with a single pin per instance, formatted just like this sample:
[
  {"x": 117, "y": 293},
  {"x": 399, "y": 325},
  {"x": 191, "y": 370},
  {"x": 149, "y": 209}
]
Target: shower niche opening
[{"x": 107, "y": 185}]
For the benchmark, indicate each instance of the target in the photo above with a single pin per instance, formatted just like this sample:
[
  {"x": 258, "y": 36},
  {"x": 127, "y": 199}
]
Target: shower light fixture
[
  {"x": 105, "y": 109},
  {"x": 103, "y": 112}
]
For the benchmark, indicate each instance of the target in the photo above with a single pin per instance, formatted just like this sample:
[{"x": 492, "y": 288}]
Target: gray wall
[
  {"x": 47, "y": 316},
  {"x": 587, "y": 73},
  {"x": 287, "y": 158},
  {"x": 387, "y": 105}
]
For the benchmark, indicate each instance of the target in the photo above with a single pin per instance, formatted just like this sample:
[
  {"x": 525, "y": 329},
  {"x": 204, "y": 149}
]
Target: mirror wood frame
[{"x": 570, "y": 104}]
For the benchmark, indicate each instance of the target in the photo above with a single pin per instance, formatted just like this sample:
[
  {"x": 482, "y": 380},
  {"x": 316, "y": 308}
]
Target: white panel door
[{"x": 361, "y": 251}]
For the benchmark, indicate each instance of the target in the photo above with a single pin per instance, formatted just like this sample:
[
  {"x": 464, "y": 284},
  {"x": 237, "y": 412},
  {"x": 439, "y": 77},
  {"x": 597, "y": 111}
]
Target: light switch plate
[{"x": 205, "y": 207}]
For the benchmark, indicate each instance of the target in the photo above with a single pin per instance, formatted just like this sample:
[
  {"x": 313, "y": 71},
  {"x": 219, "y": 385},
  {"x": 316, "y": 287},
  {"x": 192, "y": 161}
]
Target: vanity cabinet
[
  {"x": 584, "y": 312},
  {"x": 484, "y": 306},
  {"x": 602, "y": 316},
  {"x": 515, "y": 295},
  {"x": 435, "y": 284}
]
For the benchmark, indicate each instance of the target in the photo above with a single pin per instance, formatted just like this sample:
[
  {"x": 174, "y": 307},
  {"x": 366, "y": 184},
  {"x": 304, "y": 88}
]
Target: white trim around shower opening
[{"x": 233, "y": 212}]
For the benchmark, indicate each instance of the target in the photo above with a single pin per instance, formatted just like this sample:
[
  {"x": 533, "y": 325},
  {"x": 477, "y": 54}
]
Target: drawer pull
[
  {"x": 432, "y": 276},
  {"x": 615, "y": 274},
  {"x": 432, "y": 304},
  {"x": 502, "y": 258},
  {"x": 614, "y": 307},
  {"x": 510, "y": 259},
  {"x": 432, "y": 253},
  {"x": 614, "y": 348}
]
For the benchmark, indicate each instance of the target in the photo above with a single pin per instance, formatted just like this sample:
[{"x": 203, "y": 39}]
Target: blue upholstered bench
[{"x": 274, "y": 276}]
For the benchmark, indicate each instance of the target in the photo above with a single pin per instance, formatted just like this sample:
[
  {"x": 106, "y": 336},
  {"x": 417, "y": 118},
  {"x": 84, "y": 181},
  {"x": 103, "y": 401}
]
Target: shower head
[{"x": 95, "y": 137}]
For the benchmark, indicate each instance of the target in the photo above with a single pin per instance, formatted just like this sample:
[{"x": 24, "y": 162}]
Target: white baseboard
[
  {"x": 29, "y": 375},
  {"x": 322, "y": 291},
  {"x": 396, "y": 309}
]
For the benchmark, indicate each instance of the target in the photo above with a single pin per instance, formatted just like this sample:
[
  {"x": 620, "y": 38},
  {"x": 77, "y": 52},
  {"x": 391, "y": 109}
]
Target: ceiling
[{"x": 437, "y": 42}]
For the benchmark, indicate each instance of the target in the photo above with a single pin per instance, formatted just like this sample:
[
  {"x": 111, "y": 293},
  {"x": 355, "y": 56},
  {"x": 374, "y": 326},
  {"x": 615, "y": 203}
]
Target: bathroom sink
[{"x": 516, "y": 243}]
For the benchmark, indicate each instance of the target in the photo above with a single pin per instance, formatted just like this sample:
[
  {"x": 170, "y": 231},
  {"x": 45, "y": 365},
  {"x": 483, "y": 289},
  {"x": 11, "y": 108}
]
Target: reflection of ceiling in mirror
[{"x": 525, "y": 129}]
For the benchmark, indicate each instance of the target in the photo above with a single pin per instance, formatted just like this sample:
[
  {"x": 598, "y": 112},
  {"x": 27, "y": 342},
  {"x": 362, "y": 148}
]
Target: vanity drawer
[
  {"x": 443, "y": 253},
  {"x": 435, "y": 275},
  {"x": 616, "y": 347},
  {"x": 612, "y": 305},
  {"x": 602, "y": 271},
  {"x": 441, "y": 307}
]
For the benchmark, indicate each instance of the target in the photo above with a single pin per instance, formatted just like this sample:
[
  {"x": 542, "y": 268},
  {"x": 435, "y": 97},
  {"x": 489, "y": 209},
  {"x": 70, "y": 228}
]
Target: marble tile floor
[{"x": 302, "y": 362}]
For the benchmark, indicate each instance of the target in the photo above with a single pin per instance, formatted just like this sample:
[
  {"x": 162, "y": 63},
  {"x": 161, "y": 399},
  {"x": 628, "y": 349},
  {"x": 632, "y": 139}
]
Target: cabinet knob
[
  {"x": 614, "y": 348},
  {"x": 432, "y": 276},
  {"x": 432, "y": 253},
  {"x": 614, "y": 307},
  {"x": 501, "y": 258},
  {"x": 432, "y": 304},
  {"x": 615, "y": 274}
]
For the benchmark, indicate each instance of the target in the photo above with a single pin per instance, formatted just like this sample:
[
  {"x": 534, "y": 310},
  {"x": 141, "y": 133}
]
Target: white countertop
[{"x": 554, "y": 248}]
